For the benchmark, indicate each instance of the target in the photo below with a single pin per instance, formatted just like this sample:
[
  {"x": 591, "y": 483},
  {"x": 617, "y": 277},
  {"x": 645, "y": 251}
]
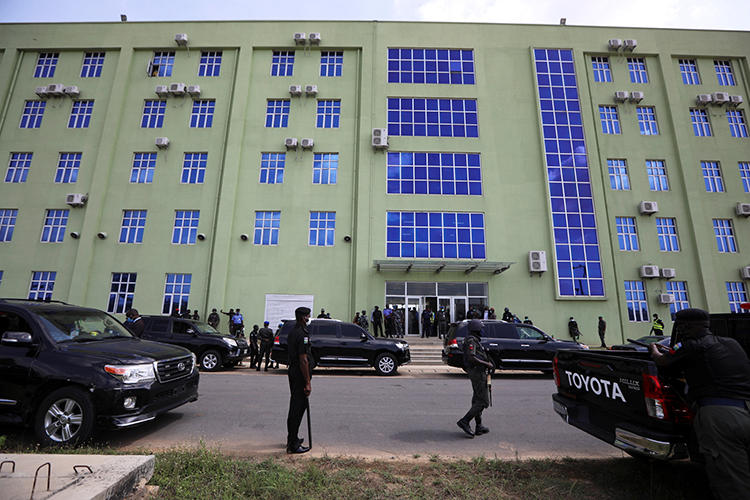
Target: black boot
[
  {"x": 464, "y": 426},
  {"x": 479, "y": 428}
]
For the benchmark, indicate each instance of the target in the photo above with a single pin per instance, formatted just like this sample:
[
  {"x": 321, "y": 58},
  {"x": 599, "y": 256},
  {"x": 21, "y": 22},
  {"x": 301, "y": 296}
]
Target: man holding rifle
[
  {"x": 479, "y": 367},
  {"x": 299, "y": 380}
]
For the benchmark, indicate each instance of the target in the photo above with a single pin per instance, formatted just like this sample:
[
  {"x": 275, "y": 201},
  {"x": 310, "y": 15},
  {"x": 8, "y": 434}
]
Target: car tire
[
  {"x": 210, "y": 361},
  {"x": 385, "y": 364},
  {"x": 64, "y": 418}
]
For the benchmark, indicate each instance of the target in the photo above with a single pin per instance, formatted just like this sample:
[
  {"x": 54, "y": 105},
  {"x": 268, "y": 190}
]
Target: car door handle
[
  {"x": 493, "y": 345},
  {"x": 524, "y": 345}
]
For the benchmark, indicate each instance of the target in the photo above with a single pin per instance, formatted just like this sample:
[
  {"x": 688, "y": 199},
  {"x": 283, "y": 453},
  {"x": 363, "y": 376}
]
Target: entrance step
[{"x": 422, "y": 354}]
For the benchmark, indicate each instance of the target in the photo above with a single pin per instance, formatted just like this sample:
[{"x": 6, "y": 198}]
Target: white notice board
[{"x": 279, "y": 307}]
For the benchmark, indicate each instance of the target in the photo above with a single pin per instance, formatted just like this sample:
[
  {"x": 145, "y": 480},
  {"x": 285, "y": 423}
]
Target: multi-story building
[{"x": 556, "y": 170}]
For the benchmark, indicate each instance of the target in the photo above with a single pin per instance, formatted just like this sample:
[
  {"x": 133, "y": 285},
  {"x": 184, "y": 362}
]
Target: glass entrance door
[
  {"x": 414, "y": 306},
  {"x": 458, "y": 309}
]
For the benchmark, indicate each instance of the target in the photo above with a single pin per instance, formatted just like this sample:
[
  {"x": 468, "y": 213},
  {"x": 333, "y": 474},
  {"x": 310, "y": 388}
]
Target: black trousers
[
  {"x": 297, "y": 407},
  {"x": 254, "y": 354},
  {"x": 265, "y": 350},
  {"x": 480, "y": 398},
  {"x": 377, "y": 325}
]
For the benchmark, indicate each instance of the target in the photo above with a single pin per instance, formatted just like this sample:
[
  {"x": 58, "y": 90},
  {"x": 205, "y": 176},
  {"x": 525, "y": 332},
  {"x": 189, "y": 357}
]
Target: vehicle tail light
[
  {"x": 555, "y": 371},
  {"x": 276, "y": 340},
  {"x": 453, "y": 342},
  {"x": 662, "y": 403}
]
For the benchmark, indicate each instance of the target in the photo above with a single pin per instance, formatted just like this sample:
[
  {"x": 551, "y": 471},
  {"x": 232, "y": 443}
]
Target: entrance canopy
[{"x": 465, "y": 266}]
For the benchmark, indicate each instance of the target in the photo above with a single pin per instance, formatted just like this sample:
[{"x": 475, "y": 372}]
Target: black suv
[
  {"x": 510, "y": 345},
  {"x": 64, "y": 368},
  {"x": 213, "y": 349},
  {"x": 335, "y": 343}
]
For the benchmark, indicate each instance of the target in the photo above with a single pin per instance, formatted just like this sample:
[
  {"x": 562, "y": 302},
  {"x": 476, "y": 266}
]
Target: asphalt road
[{"x": 243, "y": 412}]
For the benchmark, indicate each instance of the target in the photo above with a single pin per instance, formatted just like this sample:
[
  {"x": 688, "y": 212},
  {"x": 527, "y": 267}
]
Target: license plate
[{"x": 561, "y": 409}]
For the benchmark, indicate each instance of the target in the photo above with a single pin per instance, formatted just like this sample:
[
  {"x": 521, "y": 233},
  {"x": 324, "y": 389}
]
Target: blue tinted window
[
  {"x": 133, "y": 225},
  {"x": 689, "y": 72},
  {"x": 93, "y": 62},
  {"x": 329, "y": 113},
  {"x": 121, "y": 292},
  {"x": 176, "y": 293},
  {"x": 203, "y": 113},
  {"x": 272, "y": 168},
  {"x": 67, "y": 168},
  {"x": 185, "y": 227},
  {"x": 431, "y": 66},
  {"x": 701, "y": 125},
  {"x": 322, "y": 229},
  {"x": 419, "y": 117},
  {"x": 33, "y": 112},
  {"x": 331, "y": 63},
  {"x": 194, "y": 168},
  {"x": 737, "y": 295},
  {"x": 210, "y": 64},
  {"x": 277, "y": 113},
  {"x": 267, "y": 228},
  {"x": 55, "y": 223},
  {"x": 434, "y": 173},
  {"x": 325, "y": 168},
  {"x": 635, "y": 300},
  {"x": 153, "y": 113},
  {"x": 143, "y": 168},
  {"x": 42, "y": 285},
  {"x": 282, "y": 63},
  {"x": 46, "y": 64},
  {"x": 162, "y": 64},
  {"x": 80, "y": 114},
  {"x": 435, "y": 235},
  {"x": 18, "y": 167},
  {"x": 7, "y": 223}
]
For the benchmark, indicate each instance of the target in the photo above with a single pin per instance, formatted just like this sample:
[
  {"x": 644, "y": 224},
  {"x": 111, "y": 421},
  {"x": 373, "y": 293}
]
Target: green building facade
[{"x": 503, "y": 141}]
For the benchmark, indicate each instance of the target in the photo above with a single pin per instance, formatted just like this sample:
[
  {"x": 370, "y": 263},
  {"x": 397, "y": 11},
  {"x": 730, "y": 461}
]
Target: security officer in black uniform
[
  {"x": 265, "y": 335},
  {"x": 253, "y": 343},
  {"x": 478, "y": 364},
  {"x": 298, "y": 348},
  {"x": 717, "y": 371}
]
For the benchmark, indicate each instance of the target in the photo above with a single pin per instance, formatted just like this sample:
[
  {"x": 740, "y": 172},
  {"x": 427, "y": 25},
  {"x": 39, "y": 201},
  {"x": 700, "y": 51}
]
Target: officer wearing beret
[
  {"x": 298, "y": 348},
  {"x": 477, "y": 364},
  {"x": 717, "y": 371}
]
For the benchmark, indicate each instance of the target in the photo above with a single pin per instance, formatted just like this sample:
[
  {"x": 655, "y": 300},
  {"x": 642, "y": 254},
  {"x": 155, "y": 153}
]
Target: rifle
[{"x": 489, "y": 384}]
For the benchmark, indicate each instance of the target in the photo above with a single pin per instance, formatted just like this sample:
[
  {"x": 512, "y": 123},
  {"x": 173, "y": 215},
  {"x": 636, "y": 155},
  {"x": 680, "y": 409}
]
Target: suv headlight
[
  {"x": 401, "y": 345},
  {"x": 132, "y": 374},
  {"x": 230, "y": 342}
]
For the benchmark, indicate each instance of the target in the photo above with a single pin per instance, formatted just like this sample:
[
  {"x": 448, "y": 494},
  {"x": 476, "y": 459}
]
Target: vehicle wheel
[
  {"x": 210, "y": 360},
  {"x": 65, "y": 417},
  {"x": 385, "y": 364}
]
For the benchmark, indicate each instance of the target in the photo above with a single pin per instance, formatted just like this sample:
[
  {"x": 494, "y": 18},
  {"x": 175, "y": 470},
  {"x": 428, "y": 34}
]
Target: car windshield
[
  {"x": 82, "y": 326},
  {"x": 206, "y": 328}
]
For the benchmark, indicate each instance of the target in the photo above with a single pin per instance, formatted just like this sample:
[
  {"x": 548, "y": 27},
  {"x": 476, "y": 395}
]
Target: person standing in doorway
[
  {"x": 442, "y": 320},
  {"x": 426, "y": 324},
  {"x": 300, "y": 375},
  {"x": 602, "y": 327},
  {"x": 413, "y": 321},
  {"x": 657, "y": 326},
  {"x": 265, "y": 335},
  {"x": 478, "y": 365}
]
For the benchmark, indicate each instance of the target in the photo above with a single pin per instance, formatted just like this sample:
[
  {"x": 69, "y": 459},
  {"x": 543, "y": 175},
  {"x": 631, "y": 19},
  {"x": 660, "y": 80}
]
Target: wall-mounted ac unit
[
  {"x": 295, "y": 89},
  {"x": 668, "y": 272},
  {"x": 742, "y": 209},
  {"x": 311, "y": 89},
  {"x": 41, "y": 91},
  {"x": 379, "y": 138},
  {"x": 76, "y": 199},
  {"x": 72, "y": 91},
  {"x": 55, "y": 89},
  {"x": 666, "y": 298},
  {"x": 735, "y": 100},
  {"x": 629, "y": 44},
  {"x": 649, "y": 271},
  {"x": 290, "y": 142},
  {"x": 314, "y": 38},
  {"x": 300, "y": 38},
  {"x": 721, "y": 98},
  {"x": 636, "y": 96},
  {"x": 614, "y": 44},
  {"x": 648, "y": 207},
  {"x": 181, "y": 39},
  {"x": 162, "y": 142},
  {"x": 745, "y": 272},
  {"x": 177, "y": 88},
  {"x": 162, "y": 90},
  {"x": 537, "y": 261},
  {"x": 194, "y": 90},
  {"x": 621, "y": 95},
  {"x": 307, "y": 143},
  {"x": 703, "y": 99}
]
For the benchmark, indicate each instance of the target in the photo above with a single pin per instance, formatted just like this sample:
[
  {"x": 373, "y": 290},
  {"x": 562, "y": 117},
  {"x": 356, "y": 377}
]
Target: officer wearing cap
[
  {"x": 477, "y": 364},
  {"x": 265, "y": 335},
  {"x": 718, "y": 375},
  {"x": 298, "y": 349}
]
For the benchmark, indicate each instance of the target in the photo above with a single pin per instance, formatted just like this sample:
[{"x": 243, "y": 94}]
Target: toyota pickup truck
[{"x": 621, "y": 398}]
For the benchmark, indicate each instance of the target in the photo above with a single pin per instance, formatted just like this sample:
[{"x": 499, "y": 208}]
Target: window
[
  {"x": 432, "y": 117},
  {"x": 448, "y": 66},
  {"x": 678, "y": 290},
  {"x": 610, "y": 120},
  {"x": 203, "y": 113},
  {"x": 322, "y": 228},
  {"x": 325, "y": 168},
  {"x": 724, "y": 73},
  {"x": 435, "y": 235},
  {"x": 724, "y": 233},
  {"x": 618, "y": 175},
  {"x": 712, "y": 177},
  {"x": 277, "y": 113},
  {"x": 93, "y": 62},
  {"x": 647, "y": 120},
  {"x": 80, "y": 114},
  {"x": 282, "y": 63},
  {"x": 666, "y": 228},
  {"x": 267, "y": 228},
  {"x": 33, "y": 112},
  {"x": 637, "y": 69},
  {"x": 176, "y": 293},
  {"x": 54, "y": 225},
  {"x": 46, "y": 64},
  {"x": 133, "y": 225},
  {"x": 194, "y": 168},
  {"x": 578, "y": 261},
  {"x": 601, "y": 69},
  {"x": 1, "y": 277},
  {"x": 67, "y": 168},
  {"x": 701, "y": 125},
  {"x": 210, "y": 63},
  {"x": 7, "y": 223},
  {"x": 161, "y": 64},
  {"x": 121, "y": 292},
  {"x": 329, "y": 113},
  {"x": 143, "y": 168},
  {"x": 689, "y": 72},
  {"x": 627, "y": 236},
  {"x": 657, "y": 175},
  {"x": 737, "y": 125},
  {"x": 18, "y": 167},
  {"x": 744, "y": 167},
  {"x": 185, "y": 227},
  {"x": 272, "y": 168},
  {"x": 635, "y": 299},
  {"x": 153, "y": 114},
  {"x": 331, "y": 63},
  {"x": 42, "y": 284},
  {"x": 434, "y": 173},
  {"x": 737, "y": 294}
]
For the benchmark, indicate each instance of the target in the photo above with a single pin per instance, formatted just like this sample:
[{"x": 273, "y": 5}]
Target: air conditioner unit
[
  {"x": 290, "y": 142},
  {"x": 721, "y": 97},
  {"x": 742, "y": 209},
  {"x": 177, "y": 88},
  {"x": 649, "y": 271},
  {"x": 76, "y": 199},
  {"x": 379, "y": 138},
  {"x": 41, "y": 91},
  {"x": 181, "y": 39},
  {"x": 55, "y": 89},
  {"x": 745, "y": 272},
  {"x": 537, "y": 261},
  {"x": 311, "y": 89},
  {"x": 735, "y": 100},
  {"x": 666, "y": 298},
  {"x": 162, "y": 90},
  {"x": 614, "y": 44},
  {"x": 307, "y": 143},
  {"x": 194, "y": 90},
  {"x": 621, "y": 95},
  {"x": 703, "y": 99},
  {"x": 72, "y": 91},
  {"x": 636, "y": 96},
  {"x": 629, "y": 44},
  {"x": 314, "y": 38},
  {"x": 648, "y": 207},
  {"x": 668, "y": 272},
  {"x": 162, "y": 142},
  {"x": 295, "y": 89},
  {"x": 300, "y": 38}
]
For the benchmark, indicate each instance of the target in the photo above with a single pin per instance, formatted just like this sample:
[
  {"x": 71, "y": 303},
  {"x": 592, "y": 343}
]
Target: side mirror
[
  {"x": 363, "y": 336},
  {"x": 17, "y": 338}
]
